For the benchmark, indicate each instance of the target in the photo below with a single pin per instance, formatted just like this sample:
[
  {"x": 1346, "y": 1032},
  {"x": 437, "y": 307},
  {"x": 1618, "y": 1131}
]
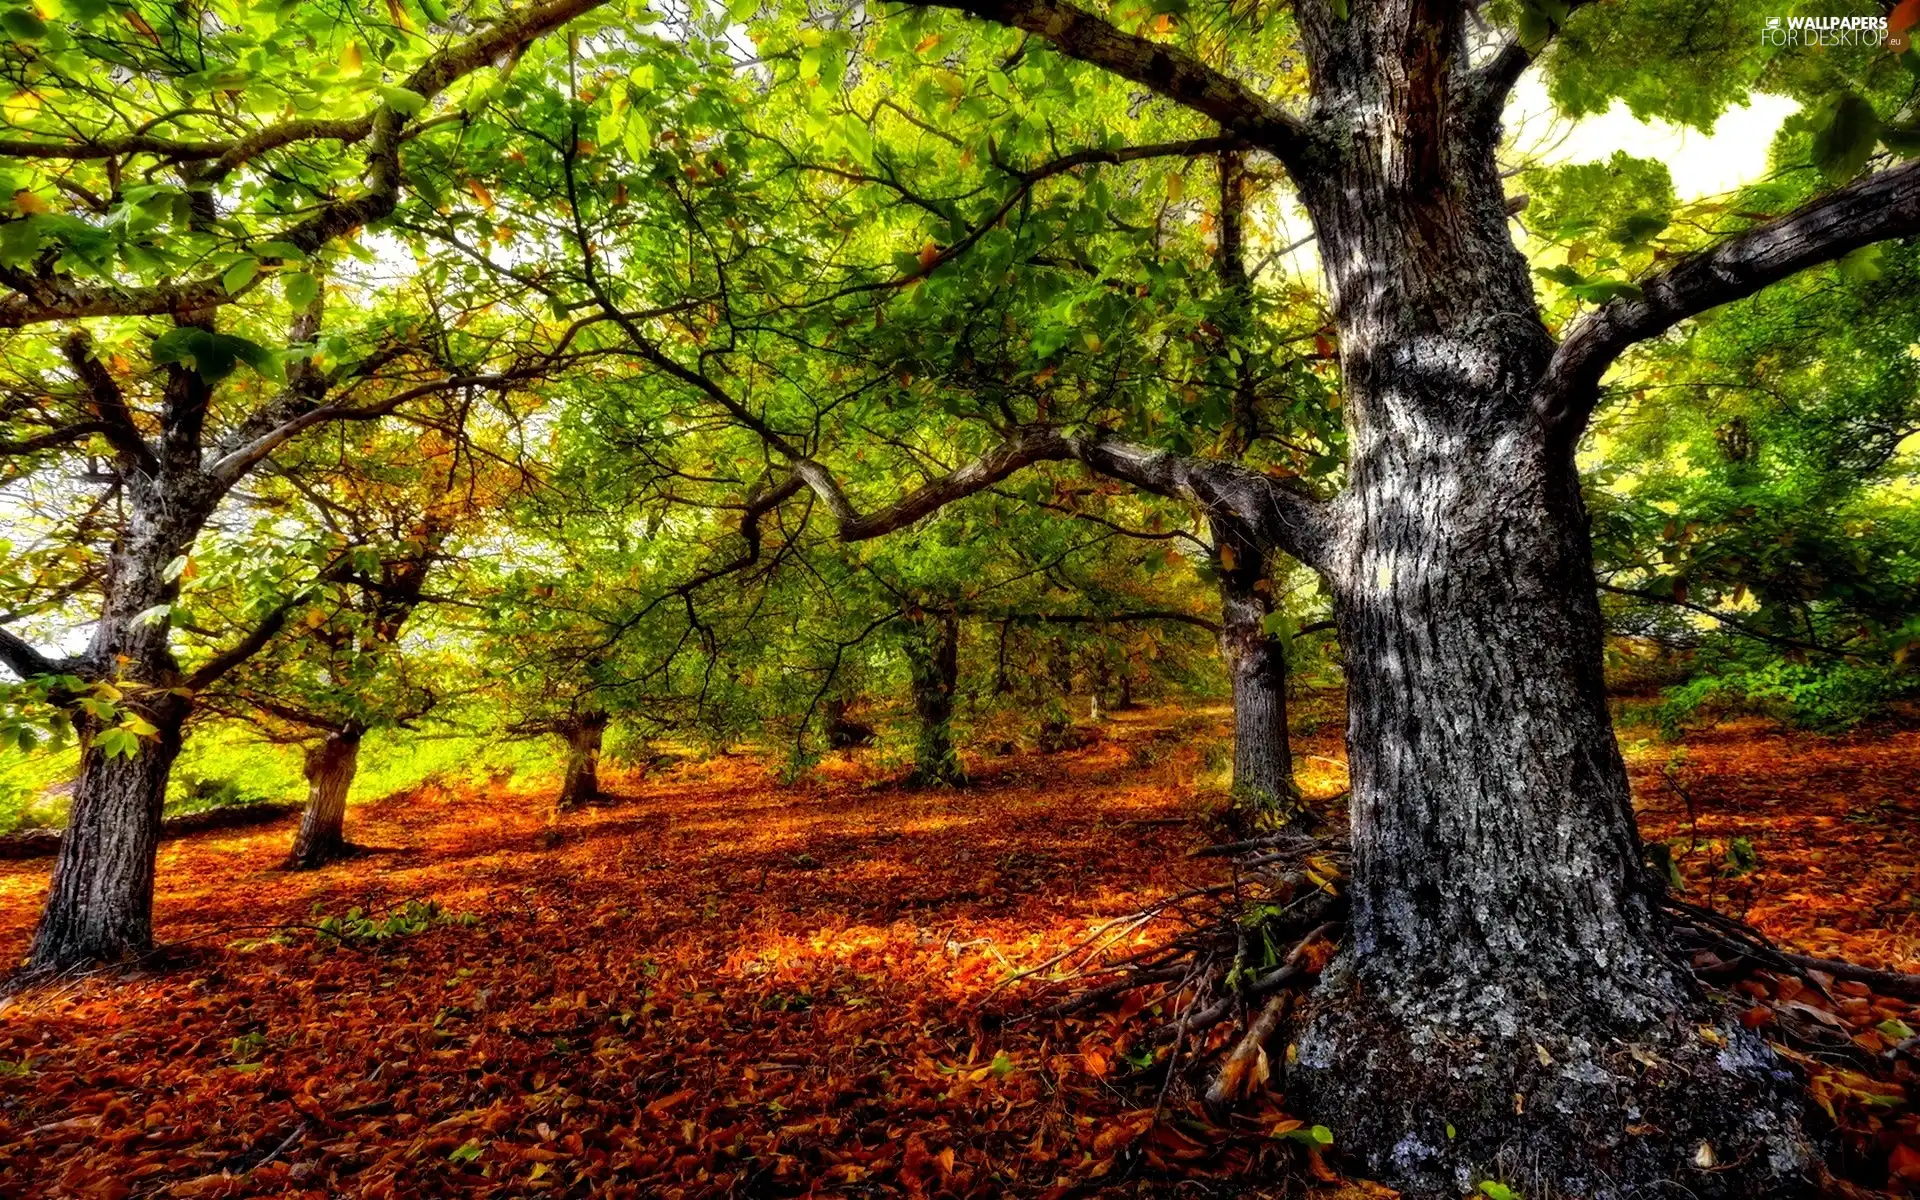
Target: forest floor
[{"x": 717, "y": 986}]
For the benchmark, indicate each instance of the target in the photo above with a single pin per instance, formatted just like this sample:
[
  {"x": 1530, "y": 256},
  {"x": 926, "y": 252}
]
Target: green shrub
[{"x": 1827, "y": 697}]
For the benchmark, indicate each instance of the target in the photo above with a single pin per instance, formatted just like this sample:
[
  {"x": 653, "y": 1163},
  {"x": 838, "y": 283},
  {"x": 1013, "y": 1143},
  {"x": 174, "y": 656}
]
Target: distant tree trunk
[
  {"x": 843, "y": 732},
  {"x": 933, "y": 658},
  {"x": 330, "y": 768},
  {"x": 1102, "y": 679},
  {"x": 1263, "y": 783},
  {"x": 582, "y": 783}
]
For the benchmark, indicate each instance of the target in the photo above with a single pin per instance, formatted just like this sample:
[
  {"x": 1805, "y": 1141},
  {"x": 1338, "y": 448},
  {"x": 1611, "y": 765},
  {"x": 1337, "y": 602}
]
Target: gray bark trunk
[
  {"x": 933, "y": 659},
  {"x": 100, "y": 906},
  {"x": 582, "y": 782},
  {"x": 1505, "y": 976},
  {"x": 330, "y": 768}
]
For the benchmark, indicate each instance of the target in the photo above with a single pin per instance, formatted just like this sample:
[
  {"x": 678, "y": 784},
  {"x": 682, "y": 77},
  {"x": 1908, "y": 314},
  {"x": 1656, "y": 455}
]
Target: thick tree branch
[
  {"x": 109, "y": 404},
  {"x": 1489, "y": 85},
  {"x": 1023, "y": 450},
  {"x": 19, "y": 656},
  {"x": 1882, "y": 206},
  {"x": 1169, "y": 70},
  {"x": 1128, "y": 617},
  {"x": 1279, "y": 517}
]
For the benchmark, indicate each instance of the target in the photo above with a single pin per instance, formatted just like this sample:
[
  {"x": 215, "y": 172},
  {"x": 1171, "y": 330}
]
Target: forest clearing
[{"x": 714, "y": 985}]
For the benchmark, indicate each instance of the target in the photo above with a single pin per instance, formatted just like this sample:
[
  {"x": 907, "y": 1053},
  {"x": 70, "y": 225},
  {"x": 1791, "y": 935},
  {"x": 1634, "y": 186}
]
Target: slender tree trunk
[
  {"x": 1263, "y": 784},
  {"x": 1102, "y": 678},
  {"x": 933, "y": 658},
  {"x": 582, "y": 782},
  {"x": 1506, "y": 1007},
  {"x": 330, "y": 768}
]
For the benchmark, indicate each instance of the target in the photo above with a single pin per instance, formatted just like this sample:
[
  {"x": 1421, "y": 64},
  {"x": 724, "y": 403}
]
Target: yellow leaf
[
  {"x": 350, "y": 58},
  {"x": 27, "y": 202},
  {"x": 1176, "y": 188},
  {"x": 929, "y": 254},
  {"x": 481, "y": 193},
  {"x": 927, "y": 43},
  {"x": 1228, "y": 558}
]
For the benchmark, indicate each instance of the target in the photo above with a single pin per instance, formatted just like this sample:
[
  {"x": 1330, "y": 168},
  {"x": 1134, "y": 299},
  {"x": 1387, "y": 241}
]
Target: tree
[
  {"x": 393, "y": 508},
  {"x": 186, "y": 226}
]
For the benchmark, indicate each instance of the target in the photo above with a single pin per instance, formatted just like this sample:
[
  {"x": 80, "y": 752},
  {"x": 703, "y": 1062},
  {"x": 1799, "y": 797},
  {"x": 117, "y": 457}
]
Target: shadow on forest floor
[{"x": 720, "y": 986}]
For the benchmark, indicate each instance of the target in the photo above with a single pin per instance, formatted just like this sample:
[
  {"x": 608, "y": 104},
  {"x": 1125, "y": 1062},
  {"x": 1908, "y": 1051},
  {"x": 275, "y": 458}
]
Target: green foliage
[
  {"x": 356, "y": 927},
  {"x": 1827, "y": 697}
]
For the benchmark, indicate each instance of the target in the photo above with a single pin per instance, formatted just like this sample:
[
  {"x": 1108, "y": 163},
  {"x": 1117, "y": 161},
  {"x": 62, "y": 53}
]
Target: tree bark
[
  {"x": 582, "y": 783},
  {"x": 100, "y": 906},
  {"x": 933, "y": 660},
  {"x": 1263, "y": 785},
  {"x": 330, "y": 768},
  {"x": 1506, "y": 1006}
]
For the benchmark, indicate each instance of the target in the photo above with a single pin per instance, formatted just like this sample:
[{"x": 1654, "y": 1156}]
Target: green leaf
[
  {"x": 19, "y": 241},
  {"x": 1863, "y": 265},
  {"x": 283, "y": 250},
  {"x": 404, "y": 101},
  {"x": 1845, "y": 129},
  {"x": 1317, "y": 1136},
  {"x": 1498, "y": 1191},
  {"x": 239, "y": 275},
  {"x": 301, "y": 289},
  {"x": 214, "y": 355},
  {"x": 24, "y": 24},
  {"x": 740, "y": 11},
  {"x": 464, "y": 1153},
  {"x": 1001, "y": 1066},
  {"x": 1599, "y": 291}
]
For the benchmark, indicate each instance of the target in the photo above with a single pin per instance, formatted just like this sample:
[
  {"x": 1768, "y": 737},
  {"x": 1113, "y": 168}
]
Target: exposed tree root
[{"x": 1226, "y": 967}]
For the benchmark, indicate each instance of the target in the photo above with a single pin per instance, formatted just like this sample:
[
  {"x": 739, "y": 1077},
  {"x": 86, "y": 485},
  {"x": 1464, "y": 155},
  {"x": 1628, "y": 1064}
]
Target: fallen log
[{"x": 44, "y": 843}]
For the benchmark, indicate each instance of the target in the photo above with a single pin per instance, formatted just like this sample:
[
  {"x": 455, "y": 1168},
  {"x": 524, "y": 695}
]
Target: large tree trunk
[
  {"x": 100, "y": 906},
  {"x": 933, "y": 658},
  {"x": 1263, "y": 785},
  {"x": 330, "y": 768},
  {"x": 1506, "y": 1007},
  {"x": 582, "y": 783}
]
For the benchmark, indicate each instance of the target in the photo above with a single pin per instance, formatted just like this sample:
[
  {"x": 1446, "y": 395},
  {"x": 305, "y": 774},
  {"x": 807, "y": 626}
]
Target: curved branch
[
  {"x": 1279, "y": 517},
  {"x": 1880, "y": 207},
  {"x": 19, "y": 656},
  {"x": 1169, "y": 70}
]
